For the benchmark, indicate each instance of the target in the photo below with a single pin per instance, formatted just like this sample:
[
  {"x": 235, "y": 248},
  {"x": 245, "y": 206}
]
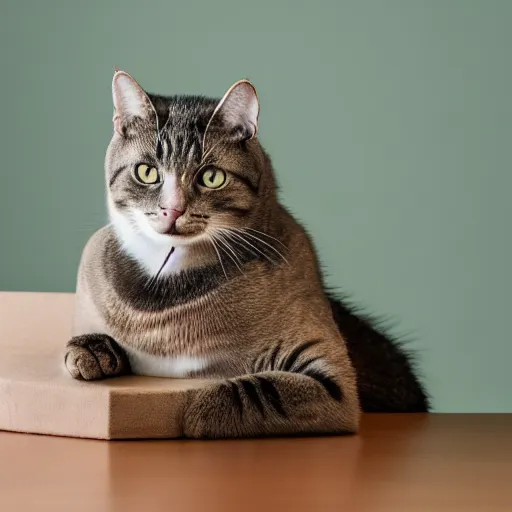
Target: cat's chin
[
  {"x": 175, "y": 237},
  {"x": 178, "y": 239},
  {"x": 157, "y": 253}
]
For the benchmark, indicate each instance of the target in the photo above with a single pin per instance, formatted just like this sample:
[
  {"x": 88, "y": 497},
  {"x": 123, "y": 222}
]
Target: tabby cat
[{"x": 203, "y": 273}]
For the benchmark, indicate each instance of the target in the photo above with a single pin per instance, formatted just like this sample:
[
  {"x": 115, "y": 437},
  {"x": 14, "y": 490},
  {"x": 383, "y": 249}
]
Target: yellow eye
[
  {"x": 147, "y": 174},
  {"x": 213, "y": 178}
]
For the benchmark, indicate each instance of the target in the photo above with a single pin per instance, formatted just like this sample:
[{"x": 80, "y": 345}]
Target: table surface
[{"x": 398, "y": 462}]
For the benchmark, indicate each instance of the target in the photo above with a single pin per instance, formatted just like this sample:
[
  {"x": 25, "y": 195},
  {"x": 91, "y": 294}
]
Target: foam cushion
[{"x": 38, "y": 395}]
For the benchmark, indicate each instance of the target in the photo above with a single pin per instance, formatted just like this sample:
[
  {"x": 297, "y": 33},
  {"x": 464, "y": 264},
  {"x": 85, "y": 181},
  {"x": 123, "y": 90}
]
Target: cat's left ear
[{"x": 236, "y": 115}]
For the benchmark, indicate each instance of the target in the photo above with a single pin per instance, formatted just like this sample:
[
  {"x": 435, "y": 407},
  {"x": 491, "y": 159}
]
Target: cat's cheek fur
[
  {"x": 138, "y": 242},
  {"x": 149, "y": 248}
]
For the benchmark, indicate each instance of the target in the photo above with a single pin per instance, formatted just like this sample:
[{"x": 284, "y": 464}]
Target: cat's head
[{"x": 182, "y": 169}]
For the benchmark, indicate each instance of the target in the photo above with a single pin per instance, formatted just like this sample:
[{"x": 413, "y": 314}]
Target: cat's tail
[{"x": 386, "y": 371}]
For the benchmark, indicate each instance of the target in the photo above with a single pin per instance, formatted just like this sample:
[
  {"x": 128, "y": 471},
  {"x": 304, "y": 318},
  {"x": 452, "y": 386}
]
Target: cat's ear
[
  {"x": 130, "y": 102},
  {"x": 236, "y": 115}
]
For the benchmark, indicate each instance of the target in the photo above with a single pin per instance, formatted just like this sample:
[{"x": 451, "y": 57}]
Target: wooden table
[{"x": 398, "y": 463}]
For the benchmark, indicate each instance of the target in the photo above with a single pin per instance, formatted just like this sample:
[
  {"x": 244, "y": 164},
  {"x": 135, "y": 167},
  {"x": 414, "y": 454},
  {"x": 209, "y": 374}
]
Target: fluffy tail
[{"x": 385, "y": 370}]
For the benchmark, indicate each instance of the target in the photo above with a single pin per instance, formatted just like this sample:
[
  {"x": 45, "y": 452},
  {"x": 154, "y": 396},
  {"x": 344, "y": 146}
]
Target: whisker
[
  {"x": 258, "y": 251},
  {"x": 235, "y": 238},
  {"x": 212, "y": 240},
  {"x": 206, "y": 154},
  {"x": 165, "y": 262},
  {"x": 152, "y": 283},
  {"x": 235, "y": 258},
  {"x": 266, "y": 234},
  {"x": 226, "y": 238},
  {"x": 263, "y": 242}
]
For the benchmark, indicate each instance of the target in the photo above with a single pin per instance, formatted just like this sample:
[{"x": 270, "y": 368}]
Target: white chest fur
[{"x": 156, "y": 366}]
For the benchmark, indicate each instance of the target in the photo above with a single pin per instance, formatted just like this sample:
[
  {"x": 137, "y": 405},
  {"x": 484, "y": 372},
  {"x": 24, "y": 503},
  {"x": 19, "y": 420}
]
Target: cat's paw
[{"x": 95, "y": 356}]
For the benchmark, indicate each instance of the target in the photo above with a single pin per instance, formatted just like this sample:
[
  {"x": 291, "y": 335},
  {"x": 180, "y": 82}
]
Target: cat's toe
[
  {"x": 95, "y": 356},
  {"x": 82, "y": 364}
]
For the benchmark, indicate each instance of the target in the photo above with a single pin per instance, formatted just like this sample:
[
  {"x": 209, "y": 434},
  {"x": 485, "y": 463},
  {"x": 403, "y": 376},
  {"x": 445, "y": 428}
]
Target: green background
[{"x": 389, "y": 124}]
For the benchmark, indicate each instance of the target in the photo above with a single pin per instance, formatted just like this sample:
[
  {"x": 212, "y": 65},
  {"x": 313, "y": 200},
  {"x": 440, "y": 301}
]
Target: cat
[{"x": 202, "y": 273}]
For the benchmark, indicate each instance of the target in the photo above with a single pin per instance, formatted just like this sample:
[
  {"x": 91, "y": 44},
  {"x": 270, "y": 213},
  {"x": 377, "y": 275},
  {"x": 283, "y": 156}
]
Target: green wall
[{"x": 389, "y": 124}]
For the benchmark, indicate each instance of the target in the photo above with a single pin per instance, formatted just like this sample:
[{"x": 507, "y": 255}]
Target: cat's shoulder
[{"x": 97, "y": 243}]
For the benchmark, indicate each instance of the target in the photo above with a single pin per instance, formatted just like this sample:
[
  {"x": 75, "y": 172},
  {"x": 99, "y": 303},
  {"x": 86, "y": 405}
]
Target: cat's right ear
[
  {"x": 236, "y": 115},
  {"x": 130, "y": 102}
]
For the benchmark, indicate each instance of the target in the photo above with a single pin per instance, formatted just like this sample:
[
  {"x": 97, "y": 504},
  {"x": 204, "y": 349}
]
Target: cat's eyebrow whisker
[
  {"x": 164, "y": 127},
  {"x": 212, "y": 240},
  {"x": 206, "y": 154}
]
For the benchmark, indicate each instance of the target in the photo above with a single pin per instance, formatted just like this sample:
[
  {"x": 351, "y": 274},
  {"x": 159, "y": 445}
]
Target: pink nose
[
  {"x": 168, "y": 217},
  {"x": 172, "y": 213}
]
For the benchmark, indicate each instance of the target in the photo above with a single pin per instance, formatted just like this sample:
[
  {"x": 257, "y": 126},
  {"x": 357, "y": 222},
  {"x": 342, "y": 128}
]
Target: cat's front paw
[{"x": 95, "y": 356}]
